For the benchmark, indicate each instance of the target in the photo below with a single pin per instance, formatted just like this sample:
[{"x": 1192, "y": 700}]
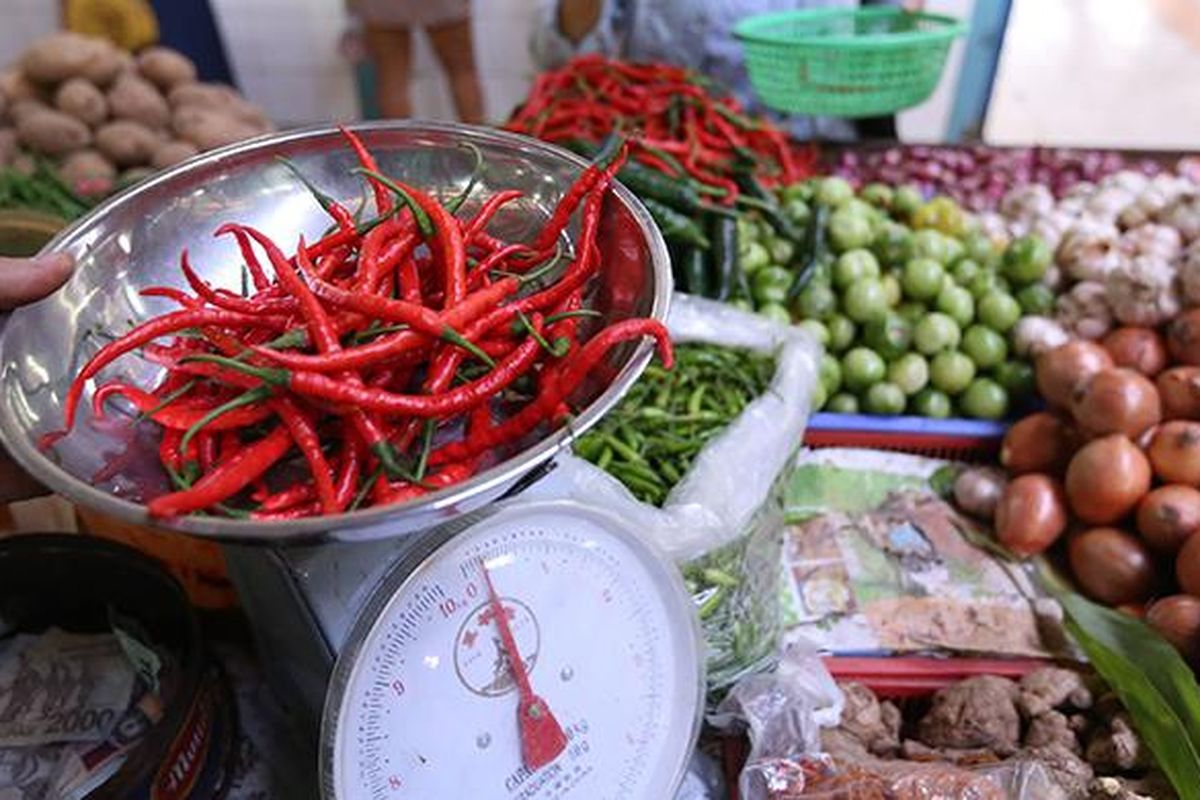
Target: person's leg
[
  {"x": 455, "y": 49},
  {"x": 391, "y": 51}
]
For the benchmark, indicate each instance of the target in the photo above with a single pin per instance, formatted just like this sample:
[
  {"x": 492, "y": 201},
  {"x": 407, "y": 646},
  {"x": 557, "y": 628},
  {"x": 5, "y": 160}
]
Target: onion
[
  {"x": 1116, "y": 400},
  {"x": 977, "y": 490},
  {"x": 1187, "y": 566},
  {"x": 1111, "y": 566},
  {"x": 1106, "y": 479},
  {"x": 1179, "y": 388},
  {"x": 1041, "y": 442},
  {"x": 1183, "y": 337},
  {"x": 1177, "y": 619},
  {"x": 1060, "y": 370},
  {"x": 1140, "y": 349},
  {"x": 1167, "y": 516},
  {"x": 1174, "y": 452},
  {"x": 1031, "y": 514}
]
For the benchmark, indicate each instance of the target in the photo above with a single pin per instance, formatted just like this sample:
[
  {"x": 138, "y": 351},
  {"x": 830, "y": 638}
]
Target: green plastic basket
[{"x": 846, "y": 62}]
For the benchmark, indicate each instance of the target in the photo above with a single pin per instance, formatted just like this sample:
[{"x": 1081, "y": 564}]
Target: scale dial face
[{"x": 423, "y": 702}]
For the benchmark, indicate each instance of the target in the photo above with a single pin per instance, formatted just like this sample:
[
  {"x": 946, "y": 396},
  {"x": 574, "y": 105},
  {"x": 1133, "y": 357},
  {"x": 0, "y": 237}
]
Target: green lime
[
  {"x": 1026, "y": 260},
  {"x": 936, "y": 332},
  {"x": 842, "y": 403},
  {"x": 865, "y": 300},
  {"x": 890, "y": 335},
  {"x": 956, "y": 303},
  {"x": 1036, "y": 299},
  {"x": 849, "y": 230},
  {"x": 817, "y": 329},
  {"x": 816, "y": 301},
  {"x": 951, "y": 372},
  {"x": 984, "y": 399},
  {"x": 884, "y": 398},
  {"x": 862, "y": 368},
  {"x": 999, "y": 311},
  {"x": 854, "y": 265},
  {"x": 910, "y": 372},
  {"x": 984, "y": 346},
  {"x": 931, "y": 403},
  {"x": 830, "y": 373},
  {"x": 922, "y": 278},
  {"x": 834, "y": 191},
  {"x": 841, "y": 332}
]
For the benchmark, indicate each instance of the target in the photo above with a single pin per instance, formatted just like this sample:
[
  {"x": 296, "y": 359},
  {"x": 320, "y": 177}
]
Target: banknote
[{"x": 60, "y": 687}]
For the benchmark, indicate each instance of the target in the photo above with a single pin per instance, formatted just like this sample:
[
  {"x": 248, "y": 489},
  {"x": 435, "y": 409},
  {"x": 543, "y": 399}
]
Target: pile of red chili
[
  {"x": 680, "y": 129},
  {"x": 388, "y": 359}
]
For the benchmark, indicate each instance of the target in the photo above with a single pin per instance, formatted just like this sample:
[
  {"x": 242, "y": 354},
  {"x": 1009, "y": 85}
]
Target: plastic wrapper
[
  {"x": 723, "y": 521},
  {"x": 783, "y": 713}
]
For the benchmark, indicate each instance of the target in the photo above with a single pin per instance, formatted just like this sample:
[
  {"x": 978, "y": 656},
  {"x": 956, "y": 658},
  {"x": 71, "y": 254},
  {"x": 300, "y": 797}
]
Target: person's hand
[{"x": 24, "y": 280}]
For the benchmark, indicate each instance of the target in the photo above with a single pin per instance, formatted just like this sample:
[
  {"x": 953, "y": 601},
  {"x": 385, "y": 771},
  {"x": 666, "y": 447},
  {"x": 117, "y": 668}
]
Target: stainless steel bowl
[{"x": 135, "y": 239}]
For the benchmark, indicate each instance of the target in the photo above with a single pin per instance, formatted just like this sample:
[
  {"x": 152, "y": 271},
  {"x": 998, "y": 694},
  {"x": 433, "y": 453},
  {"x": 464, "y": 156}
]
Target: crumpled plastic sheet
[
  {"x": 733, "y": 474},
  {"x": 783, "y": 713}
]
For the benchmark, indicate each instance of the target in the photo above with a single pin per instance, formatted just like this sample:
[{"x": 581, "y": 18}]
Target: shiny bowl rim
[{"x": 441, "y": 502}]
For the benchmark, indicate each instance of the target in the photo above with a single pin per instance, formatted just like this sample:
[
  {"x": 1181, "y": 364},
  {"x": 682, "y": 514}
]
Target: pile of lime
[{"x": 914, "y": 305}]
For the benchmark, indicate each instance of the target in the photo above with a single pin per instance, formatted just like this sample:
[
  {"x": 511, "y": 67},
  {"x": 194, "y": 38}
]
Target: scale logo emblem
[{"x": 479, "y": 656}]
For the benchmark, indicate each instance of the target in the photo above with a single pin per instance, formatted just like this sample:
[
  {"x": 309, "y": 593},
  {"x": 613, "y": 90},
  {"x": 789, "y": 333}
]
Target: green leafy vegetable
[{"x": 1155, "y": 685}]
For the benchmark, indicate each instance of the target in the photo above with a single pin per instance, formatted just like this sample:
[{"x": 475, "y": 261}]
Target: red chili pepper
[
  {"x": 393, "y": 345},
  {"x": 487, "y": 212},
  {"x": 596, "y": 176},
  {"x": 303, "y": 431},
  {"x": 230, "y": 301},
  {"x": 171, "y": 293},
  {"x": 177, "y": 416},
  {"x": 383, "y": 198},
  {"x": 149, "y": 331},
  {"x": 457, "y": 400},
  {"x": 226, "y": 480},
  {"x": 568, "y": 378}
]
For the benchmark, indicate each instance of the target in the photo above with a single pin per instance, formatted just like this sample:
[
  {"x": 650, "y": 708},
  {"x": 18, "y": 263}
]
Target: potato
[
  {"x": 51, "y": 132},
  {"x": 205, "y": 95},
  {"x": 127, "y": 143},
  {"x": 134, "y": 98},
  {"x": 170, "y": 153},
  {"x": 88, "y": 173},
  {"x": 165, "y": 67},
  {"x": 82, "y": 100},
  {"x": 105, "y": 64},
  {"x": 15, "y": 86},
  {"x": 208, "y": 129},
  {"x": 8, "y": 146},
  {"x": 21, "y": 108},
  {"x": 60, "y": 56},
  {"x": 3, "y": 107}
]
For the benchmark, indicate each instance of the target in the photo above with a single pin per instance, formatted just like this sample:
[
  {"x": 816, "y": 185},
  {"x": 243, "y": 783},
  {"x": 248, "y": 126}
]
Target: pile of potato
[{"x": 98, "y": 111}]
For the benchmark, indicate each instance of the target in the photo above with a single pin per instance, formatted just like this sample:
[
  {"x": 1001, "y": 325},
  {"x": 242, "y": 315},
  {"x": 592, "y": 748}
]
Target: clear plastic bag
[
  {"x": 723, "y": 521},
  {"x": 783, "y": 713}
]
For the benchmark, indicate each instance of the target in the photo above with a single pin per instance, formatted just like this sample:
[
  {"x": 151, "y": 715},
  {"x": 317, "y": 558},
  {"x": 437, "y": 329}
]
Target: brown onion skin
[
  {"x": 1168, "y": 515},
  {"x": 1106, "y": 479},
  {"x": 1041, "y": 442},
  {"x": 1060, "y": 370},
  {"x": 1174, "y": 452},
  {"x": 1187, "y": 566},
  {"x": 1116, "y": 400},
  {"x": 1177, "y": 619},
  {"x": 1031, "y": 514},
  {"x": 1183, "y": 337},
  {"x": 1140, "y": 349},
  {"x": 1179, "y": 388},
  {"x": 1111, "y": 566}
]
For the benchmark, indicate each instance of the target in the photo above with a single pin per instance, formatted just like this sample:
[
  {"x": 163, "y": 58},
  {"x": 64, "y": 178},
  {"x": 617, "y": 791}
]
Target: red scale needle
[{"x": 542, "y": 738}]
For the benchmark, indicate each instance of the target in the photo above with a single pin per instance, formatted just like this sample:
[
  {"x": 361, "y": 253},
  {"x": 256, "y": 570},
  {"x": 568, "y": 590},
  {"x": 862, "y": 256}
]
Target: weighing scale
[{"x": 537, "y": 649}]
